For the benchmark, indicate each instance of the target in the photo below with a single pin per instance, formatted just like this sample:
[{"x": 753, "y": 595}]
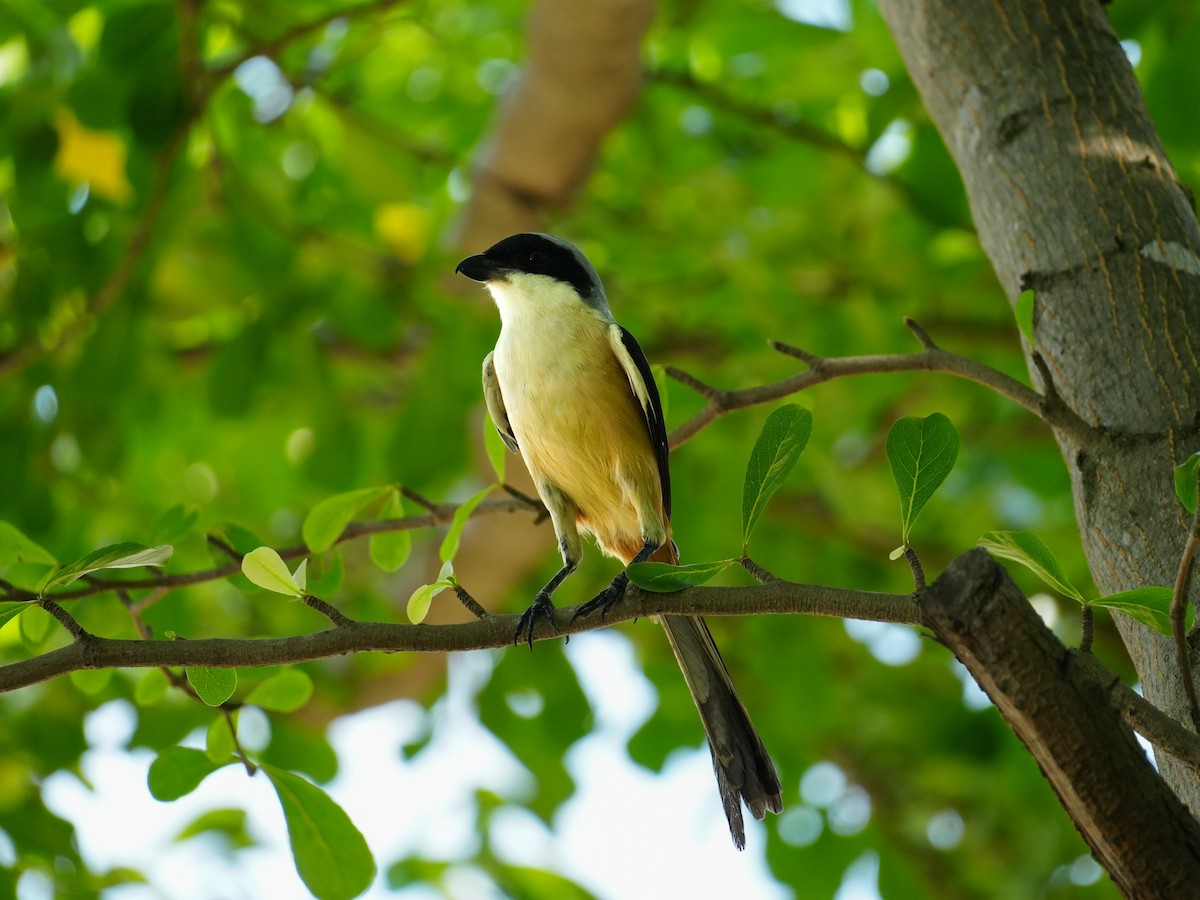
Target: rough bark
[
  {"x": 1137, "y": 828},
  {"x": 1073, "y": 196}
]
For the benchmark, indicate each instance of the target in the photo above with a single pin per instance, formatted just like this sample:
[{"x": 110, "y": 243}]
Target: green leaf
[
  {"x": 1028, "y": 550},
  {"x": 173, "y": 524},
  {"x": 284, "y": 692},
  {"x": 11, "y": 608},
  {"x": 493, "y": 444},
  {"x": 454, "y": 536},
  {"x": 16, "y": 548},
  {"x": 783, "y": 438},
  {"x": 229, "y": 822},
  {"x": 91, "y": 681},
  {"x": 1185, "y": 482},
  {"x": 1024, "y": 314},
  {"x": 664, "y": 578},
  {"x": 127, "y": 555},
  {"x": 266, "y": 568},
  {"x": 219, "y": 743},
  {"x": 421, "y": 599},
  {"x": 390, "y": 549},
  {"x": 300, "y": 576},
  {"x": 329, "y": 570},
  {"x": 151, "y": 688},
  {"x": 331, "y": 855},
  {"x": 178, "y": 771},
  {"x": 1148, "y": 605},
  {"x": 922, "y": 453},
  {"x": 214, "y": 685},
  {"x": 328, "y": 519}
]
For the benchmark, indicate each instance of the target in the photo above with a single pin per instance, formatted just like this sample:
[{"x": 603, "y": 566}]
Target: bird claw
[
  {"x": 605, "y": 600},
  {"x": 542, "y": 607}
]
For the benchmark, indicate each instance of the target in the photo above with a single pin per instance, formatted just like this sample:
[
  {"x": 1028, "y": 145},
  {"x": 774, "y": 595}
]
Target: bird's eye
[{"x": 535, "y": 257}]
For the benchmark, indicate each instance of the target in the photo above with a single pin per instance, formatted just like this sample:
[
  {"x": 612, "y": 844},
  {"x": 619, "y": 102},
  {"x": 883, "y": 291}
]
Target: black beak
[{"x": 480, "y": 268}]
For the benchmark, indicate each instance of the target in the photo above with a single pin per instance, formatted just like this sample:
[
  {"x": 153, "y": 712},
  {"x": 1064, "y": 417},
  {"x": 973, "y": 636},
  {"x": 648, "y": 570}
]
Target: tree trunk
[{"x": 1073, "y": 196}]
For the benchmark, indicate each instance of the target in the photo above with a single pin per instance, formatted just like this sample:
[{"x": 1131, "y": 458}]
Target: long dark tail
[{"x": 744, "y": 770}]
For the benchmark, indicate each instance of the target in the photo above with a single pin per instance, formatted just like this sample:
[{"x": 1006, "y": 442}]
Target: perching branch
[
  {"x": 931, "y": 358},
  {"x": 494, "y": 631}
]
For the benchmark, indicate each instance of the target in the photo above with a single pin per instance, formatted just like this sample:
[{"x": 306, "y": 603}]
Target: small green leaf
[
  {"x": 493, "y": 444},
  {"x": 1024, "y": 313},
  {"x": 127, "y": 555},
  {"x": 213, "y": 685},
  {"x": 331, "y": 855},
  {"x": 390, "y": 549},
  {"x": 922, "y": 453},
  {"x": 229, "y": 822},
  {"x": 783, "y": 438},
  {"x": 219, "y": 743},
  {"x": 300, "y": 576},
  {"x": 1028, "y": 550},
  {"x": 1148, "y": 605},
  {"x": 16, "y": 548},
  {"x": 178, "y": 771},
  {"x": 266, "y": 568},
  {"x": 35, "y": 626},
  {"x": 173, "y": 524},
  {"x": 421, "y": 599},
  {"x": 11, "y": 608},
  {"x": 91, "y": 681},
  {"x": 664, "y": 578},
  {"x": 151, "y": 688},
  {"x": 328, "y": 519},
  {"x": 454, "y": 536},
  {"x": 1185, "y": 482},
  {"x": 328, "y": 572},
  {"x": 284, "y": 692}
]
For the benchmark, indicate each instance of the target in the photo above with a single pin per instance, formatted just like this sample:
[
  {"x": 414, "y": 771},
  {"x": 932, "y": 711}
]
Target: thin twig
[
  {"x": 1086, "y": 627},
  {"x": 918, "y": 571},
  {"x": 251, "y": 768},
  {"x": 1179, "y": 602},
  {"x": 821, "y": 369},
  {"x": 225, "y": 548},
  {"x": 761, "y": 575},
  {"x": 470, "y": 602},
  {"x": 78, "y": 632},
  {"x": 332, "y": 613},
  {"x": 442, "y": 515}
]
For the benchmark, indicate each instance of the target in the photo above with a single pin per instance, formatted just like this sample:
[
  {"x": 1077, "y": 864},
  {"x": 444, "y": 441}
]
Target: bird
[{"x": 572, "y": 392}]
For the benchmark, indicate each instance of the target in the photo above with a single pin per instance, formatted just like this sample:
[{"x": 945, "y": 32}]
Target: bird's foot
[
  {"x": 605, "y": 600},
  {"x": 541, "y": 608}
]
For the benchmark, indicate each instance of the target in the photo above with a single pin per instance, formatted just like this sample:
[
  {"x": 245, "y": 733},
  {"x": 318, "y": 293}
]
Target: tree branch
[
  {"x": 1179, "y": 602},
  {"x": 1138, "y": 829},
  {"x": 491, "y": 632},
  {"x": 821, "y": 369}
]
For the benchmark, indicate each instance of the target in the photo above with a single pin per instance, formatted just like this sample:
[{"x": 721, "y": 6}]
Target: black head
[{"x": 538, "y": 254}]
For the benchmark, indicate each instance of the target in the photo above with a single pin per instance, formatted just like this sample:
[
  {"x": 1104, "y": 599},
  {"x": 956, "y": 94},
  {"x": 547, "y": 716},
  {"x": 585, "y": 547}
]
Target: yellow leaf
[
  {"x": 94, "y": 157},
  {"x": 404, "y": 227}
]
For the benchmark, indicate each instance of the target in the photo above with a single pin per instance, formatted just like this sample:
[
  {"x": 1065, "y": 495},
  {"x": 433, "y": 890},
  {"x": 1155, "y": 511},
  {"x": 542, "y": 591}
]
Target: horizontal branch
[
  {"x": 782, "y": 597},
  {"x": 821, "y": 369}
]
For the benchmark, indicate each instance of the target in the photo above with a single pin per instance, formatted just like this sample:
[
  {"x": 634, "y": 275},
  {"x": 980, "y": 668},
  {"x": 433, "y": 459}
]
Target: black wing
[{"x": 651, "y": 410}]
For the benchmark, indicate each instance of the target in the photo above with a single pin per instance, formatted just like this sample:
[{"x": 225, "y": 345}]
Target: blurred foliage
[{"x": 251, "y": 197}]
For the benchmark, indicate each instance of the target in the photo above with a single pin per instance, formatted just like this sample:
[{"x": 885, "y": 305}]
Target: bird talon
[
  {"x": 605, "y": 600},
  {"x": 527, "y": 624}
]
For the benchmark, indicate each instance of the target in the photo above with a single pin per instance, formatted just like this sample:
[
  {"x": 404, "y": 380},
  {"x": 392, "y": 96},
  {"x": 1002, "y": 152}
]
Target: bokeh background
[{"x": 227, "y": 233}]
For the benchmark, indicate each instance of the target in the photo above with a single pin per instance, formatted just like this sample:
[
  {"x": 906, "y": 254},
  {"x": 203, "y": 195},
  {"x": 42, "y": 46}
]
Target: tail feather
[{"x": 744, "y": 770}]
